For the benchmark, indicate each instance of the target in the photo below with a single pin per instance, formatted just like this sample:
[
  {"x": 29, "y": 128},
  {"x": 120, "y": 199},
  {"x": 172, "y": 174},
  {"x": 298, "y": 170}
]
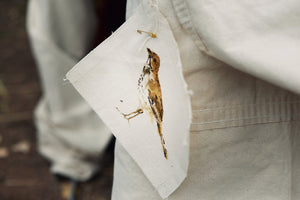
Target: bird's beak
[{"x": 149, "y": 53}]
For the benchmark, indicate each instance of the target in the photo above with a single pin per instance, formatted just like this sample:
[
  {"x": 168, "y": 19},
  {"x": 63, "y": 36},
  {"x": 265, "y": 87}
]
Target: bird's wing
[{"x": 155, "y": 101}]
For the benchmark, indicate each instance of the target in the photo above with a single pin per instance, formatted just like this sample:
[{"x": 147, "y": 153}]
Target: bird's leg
[{"x": 132, "y": 114}]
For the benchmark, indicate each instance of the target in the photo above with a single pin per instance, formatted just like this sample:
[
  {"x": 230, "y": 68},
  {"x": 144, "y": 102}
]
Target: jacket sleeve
[{"x": 258, "y": 37}]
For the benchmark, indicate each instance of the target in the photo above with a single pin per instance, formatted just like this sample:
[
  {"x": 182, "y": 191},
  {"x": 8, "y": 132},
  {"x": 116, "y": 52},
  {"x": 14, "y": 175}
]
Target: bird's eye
[{"x": 154, "y": 59}]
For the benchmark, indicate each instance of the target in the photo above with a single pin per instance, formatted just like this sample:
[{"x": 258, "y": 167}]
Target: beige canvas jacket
[{"x": 240, "y": 60}]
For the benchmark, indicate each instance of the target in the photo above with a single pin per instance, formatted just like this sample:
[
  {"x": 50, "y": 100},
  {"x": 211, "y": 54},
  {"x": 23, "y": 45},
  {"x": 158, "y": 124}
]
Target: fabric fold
[{"x": 257, "y": 37}]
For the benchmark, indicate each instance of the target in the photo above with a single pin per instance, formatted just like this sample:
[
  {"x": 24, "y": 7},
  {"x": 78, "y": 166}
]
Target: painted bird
[{"x": 150, "y": 96}]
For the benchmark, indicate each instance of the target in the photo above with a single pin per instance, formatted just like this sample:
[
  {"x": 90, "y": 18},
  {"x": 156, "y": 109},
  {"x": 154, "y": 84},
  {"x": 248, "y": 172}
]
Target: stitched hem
[
  {"x": 242, "y": 115},
  {"x": 184, "y": 17}
]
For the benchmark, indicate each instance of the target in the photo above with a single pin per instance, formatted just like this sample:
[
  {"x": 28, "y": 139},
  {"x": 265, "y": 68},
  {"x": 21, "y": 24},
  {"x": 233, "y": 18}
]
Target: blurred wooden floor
[{"x": 24, "y": 174}]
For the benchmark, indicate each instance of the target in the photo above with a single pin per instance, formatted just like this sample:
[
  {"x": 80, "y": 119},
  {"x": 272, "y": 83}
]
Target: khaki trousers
[{"x": 69, "y": 133}]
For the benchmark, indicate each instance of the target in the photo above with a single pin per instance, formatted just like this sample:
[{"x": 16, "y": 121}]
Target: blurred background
[{"x": 24, "y": 174}]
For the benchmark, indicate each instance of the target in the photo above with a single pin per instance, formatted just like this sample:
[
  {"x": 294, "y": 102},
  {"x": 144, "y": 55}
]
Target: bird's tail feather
[{"x": 162, "y": 140}]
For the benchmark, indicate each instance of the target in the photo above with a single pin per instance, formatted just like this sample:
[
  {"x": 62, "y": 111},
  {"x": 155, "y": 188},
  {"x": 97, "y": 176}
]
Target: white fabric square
[{"x": 108, "y": 78}]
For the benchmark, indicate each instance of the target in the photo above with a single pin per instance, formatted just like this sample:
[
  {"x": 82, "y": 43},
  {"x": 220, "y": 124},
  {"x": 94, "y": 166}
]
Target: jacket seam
[
  {"x": 242, "y": 115},
  {"x": 184, "y": 17}
]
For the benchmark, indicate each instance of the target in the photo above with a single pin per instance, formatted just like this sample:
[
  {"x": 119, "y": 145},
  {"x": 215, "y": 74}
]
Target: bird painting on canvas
[{"x": 150, "y": 95}]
